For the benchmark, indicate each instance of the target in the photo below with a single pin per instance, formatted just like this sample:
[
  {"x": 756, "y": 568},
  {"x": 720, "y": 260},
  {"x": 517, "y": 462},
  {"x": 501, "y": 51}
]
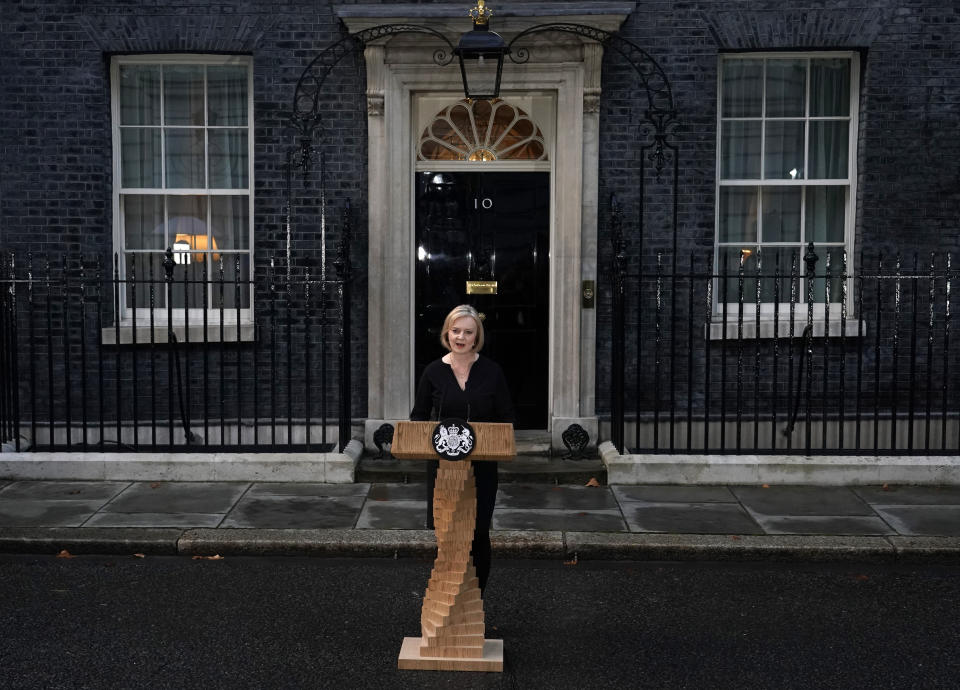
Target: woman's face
[{"x": 462, "y": 335}]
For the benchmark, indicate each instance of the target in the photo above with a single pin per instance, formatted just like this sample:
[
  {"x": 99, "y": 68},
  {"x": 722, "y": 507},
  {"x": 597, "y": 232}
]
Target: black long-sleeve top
[{"x": 486, "y": 397}]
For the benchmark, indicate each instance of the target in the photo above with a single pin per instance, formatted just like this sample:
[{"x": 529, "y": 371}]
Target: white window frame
[
  {"x": 196, "y": 315},
  {"x": 767, "y": 309}
]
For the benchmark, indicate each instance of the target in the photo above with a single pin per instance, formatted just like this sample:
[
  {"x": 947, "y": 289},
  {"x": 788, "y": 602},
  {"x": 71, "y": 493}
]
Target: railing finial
[
  {"x": 811, "y": 259},
  {"x": 168, "y": 264}
]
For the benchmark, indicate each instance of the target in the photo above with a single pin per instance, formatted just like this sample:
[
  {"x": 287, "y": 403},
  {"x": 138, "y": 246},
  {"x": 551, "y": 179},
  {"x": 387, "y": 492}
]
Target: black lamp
[{"x": 481, "y": 54}]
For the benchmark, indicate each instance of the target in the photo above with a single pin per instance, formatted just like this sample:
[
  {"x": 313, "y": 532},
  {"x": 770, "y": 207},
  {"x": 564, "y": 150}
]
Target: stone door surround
[{"x": 401, "y": 67}]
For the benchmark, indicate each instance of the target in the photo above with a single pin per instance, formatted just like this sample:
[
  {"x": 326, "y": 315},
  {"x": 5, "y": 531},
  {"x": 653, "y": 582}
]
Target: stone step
[
  {"x": 537, "y": 469},
  {"x": 532, "y": 442}
]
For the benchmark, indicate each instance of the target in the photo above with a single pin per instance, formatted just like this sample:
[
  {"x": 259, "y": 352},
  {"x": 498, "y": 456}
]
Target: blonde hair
[{"x": 458, "y": 313}]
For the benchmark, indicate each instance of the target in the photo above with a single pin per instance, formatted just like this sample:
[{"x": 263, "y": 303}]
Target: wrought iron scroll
[
  {"x": 383, "y": 436},
  {"x": 660, "y": 112},
  {"x": 575, "y": 438},
  {"x": 305, "y": 114},
  {"x": 306, "y": 117}
]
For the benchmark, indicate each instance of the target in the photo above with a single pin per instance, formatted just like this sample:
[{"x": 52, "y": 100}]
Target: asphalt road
[{"x": 173, "y": 622}]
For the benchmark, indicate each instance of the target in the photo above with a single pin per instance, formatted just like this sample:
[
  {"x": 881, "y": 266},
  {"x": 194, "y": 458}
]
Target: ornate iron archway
[{"x": 659, "y": 150}]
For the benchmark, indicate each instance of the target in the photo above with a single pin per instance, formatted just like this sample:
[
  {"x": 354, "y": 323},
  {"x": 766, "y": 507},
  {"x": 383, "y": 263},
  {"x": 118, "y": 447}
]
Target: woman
[{"x": 466, "y": 385}]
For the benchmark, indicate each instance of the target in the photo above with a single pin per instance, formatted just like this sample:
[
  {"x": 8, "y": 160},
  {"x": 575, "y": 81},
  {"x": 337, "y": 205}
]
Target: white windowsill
[
  {"x": 108, "y": 336},
  {"x": 714, "y": 331}
]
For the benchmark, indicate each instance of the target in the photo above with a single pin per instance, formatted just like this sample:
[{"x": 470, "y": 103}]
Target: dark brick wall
[
  {"x": 908, "y": 186},
  {"x": 55, "y": 171},
  {"x": 56, "y": 135}
]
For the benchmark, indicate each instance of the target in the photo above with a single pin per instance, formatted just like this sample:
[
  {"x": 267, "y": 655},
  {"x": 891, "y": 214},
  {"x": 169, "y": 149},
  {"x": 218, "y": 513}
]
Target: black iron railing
[
  {"x": 168, "y": 354},
  {"x": 778, "y": 351}
]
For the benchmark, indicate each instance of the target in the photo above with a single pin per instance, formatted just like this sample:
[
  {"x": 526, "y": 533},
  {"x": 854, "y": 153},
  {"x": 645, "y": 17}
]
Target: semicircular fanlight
[{"x": 481, "y": 131}]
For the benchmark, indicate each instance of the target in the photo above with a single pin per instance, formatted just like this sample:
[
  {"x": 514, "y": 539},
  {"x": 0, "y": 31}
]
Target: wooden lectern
[{"x": 452, "y": 622}]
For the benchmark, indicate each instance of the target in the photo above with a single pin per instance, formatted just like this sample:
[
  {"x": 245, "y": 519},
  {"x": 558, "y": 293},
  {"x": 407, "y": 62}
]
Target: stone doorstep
[
  {"x": 539, "y": 469},
  {"x": 819, "y": 470},
  {"x": 329, "y": 468}
]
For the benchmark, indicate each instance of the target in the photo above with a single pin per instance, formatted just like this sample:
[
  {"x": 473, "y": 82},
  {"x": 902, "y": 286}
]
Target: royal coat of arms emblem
[{"x": 453, "y": 439}]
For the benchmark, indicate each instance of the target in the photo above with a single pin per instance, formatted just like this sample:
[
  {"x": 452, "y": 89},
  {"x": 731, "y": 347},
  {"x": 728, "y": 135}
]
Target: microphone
[{"x": 443, "y": 395}]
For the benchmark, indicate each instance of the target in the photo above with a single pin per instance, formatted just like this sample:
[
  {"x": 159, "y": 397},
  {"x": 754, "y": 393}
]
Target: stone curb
[
  {"x": 795, "y": 548},
  {"x": 156, "y": 541},
  {"x": 528, "y": 544},
  {"x": 545, "y": 545},
  {"x": 308, "y": 542},
  {"x": 710, "y": 547}
]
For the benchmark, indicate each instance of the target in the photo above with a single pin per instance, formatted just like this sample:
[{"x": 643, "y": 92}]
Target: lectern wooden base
[
  {"x": 410, "y": 659},
  {"x": 451, "y": 620}
]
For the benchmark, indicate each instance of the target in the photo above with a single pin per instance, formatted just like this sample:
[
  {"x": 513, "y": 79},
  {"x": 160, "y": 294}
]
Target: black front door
[{"x": 483, "y": 239}]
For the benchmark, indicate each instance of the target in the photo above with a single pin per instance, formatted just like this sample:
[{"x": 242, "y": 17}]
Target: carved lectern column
[{"x": 452, "y": 619}]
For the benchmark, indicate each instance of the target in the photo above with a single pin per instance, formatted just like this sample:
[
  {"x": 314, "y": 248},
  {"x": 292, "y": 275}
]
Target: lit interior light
[
  {"x": 483, "y": 155},
  {"x": 184, "y": 242},
  {"x": 181, "y": 252},
  {"x": 421, "y": 253},
  {"x": 793, "y": 174}
]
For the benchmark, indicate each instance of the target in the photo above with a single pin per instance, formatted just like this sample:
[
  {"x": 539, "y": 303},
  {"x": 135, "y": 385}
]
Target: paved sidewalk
[{"x": 531, "y": 520}]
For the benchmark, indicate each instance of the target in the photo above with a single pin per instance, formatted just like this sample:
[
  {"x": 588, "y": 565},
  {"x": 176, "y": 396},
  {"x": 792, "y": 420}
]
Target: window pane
[
  {"x": 140, "y": 95},
  {"x": 432, "y": 150},
  {"x": 740, "y": 159},
  {"x": 234, "y": 281},
  {"x": 836, "y": 267},
  {"x": 783, "y": 154},
  {"x": 228, "y": 158},
  {"x": 781, "y": 214},
  {"x": 184, "y": 127},
  {"x": 230, "y": 222},
  {"x": 140, "y": 157},
  {"x": 531, "y": 150},
  {"x": 143, "y": 222},
  {"x": 742, "y": 88},
  {"x": 183, "y": 94},
  {"x": 776, "y": 284},
  {"x": 227, "y": 95},
  {"x": 788, "y": 287},
  {"x": 738, "y": 214},
  {"x": 148, "y": 289},
  {"x": 502, "y": 119},
  {"x": 829, "y": 87},
  {"x": 443, "y": 131},
  {"x": 828, "y": 149},
  {"x": 188, "y": 288},
  {"x": 728, "y": 268},
  {"x": 786, "y": 85},
  {"x": 826, "y": 211},
  {"x": 184, "y": 158},
  {"x": 187, "y": 227},
  {"x": 460, "y": 117}
]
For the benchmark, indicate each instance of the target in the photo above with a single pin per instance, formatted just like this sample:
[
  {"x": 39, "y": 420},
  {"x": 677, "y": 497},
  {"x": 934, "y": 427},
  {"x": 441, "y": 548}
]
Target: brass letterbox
[{"x": 481, "y": 287}]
